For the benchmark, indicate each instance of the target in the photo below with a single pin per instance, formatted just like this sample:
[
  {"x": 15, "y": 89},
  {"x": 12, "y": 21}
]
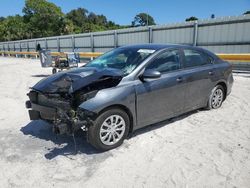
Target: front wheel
[
  {"x": 109, "y": 129},
  {"x": 216, "y": 97}
]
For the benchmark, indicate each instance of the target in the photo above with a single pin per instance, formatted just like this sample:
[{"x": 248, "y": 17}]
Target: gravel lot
[{"x": 199, "y": 149}]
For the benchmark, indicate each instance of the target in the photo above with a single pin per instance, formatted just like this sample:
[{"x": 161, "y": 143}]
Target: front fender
[{"x": 120, "y": 95}]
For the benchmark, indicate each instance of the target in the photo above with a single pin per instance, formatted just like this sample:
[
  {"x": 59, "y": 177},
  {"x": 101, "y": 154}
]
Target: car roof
[
  {"x": 166, "y": 46},
  {"x": 155, "y": 46}
]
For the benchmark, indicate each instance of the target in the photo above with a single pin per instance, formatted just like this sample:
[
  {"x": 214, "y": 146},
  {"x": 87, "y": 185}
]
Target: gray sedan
[{"x": 129, "y": 88}]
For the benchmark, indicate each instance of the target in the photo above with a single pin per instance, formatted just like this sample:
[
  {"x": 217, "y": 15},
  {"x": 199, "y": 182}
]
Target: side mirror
[{"x": 150, "y": 74}]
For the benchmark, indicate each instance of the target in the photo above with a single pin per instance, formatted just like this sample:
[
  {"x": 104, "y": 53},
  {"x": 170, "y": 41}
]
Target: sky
[{"x": 163, "y": 11}]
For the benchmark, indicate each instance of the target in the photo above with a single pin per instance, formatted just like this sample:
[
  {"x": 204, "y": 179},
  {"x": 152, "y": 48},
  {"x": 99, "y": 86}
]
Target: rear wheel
[
  {"x": 216, "y": 97},
  {"x": 109, "y": 129}
]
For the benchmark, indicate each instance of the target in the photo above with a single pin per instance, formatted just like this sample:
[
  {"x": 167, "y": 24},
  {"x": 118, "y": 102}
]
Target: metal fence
[{"x": 220, "y": 35}]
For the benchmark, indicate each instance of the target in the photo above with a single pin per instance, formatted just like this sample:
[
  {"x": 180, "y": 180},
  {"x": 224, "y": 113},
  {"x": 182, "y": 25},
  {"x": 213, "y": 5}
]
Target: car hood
[{"x": 75, "y": 79}]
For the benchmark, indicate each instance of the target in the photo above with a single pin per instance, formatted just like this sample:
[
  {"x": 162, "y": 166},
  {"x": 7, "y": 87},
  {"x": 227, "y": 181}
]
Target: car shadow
[
  {"x": 163, "y": 123},
  {"x": 65, "y": 144},
  {"x": 41, "y": 75}
]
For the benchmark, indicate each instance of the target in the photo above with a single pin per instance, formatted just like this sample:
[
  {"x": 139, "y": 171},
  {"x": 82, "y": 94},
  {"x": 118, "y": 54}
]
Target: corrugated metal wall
[
  {"x": 220, "y": 35},
  {"x": 174, "y": 33},
  {"x": 225, "y": 35}
]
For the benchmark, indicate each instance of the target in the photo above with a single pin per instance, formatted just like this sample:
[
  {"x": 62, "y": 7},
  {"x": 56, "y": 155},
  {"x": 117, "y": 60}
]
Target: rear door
[{"x": 199, "y": 75}]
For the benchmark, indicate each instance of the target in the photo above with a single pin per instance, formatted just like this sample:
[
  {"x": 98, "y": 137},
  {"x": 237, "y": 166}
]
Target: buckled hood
[{"x": 75, "y": 79}]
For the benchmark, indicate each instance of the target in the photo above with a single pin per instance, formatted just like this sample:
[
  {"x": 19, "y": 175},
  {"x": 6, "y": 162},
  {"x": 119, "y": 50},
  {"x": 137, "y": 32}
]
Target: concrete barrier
[
  {"x": 36, "y": 54},
  {"x": 235, "y": 57}
]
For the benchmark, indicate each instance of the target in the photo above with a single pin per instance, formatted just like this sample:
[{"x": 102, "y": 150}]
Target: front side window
[
  {"x": 166, "y": 62},
  {"x": 194, "y": 58},
  {"x": 124, "y": 59}
]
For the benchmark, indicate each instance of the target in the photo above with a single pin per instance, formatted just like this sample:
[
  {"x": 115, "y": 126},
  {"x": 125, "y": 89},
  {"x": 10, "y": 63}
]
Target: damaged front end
[
  {"x": 56, "y": 99},
  {"x": 57, "y": 110}
]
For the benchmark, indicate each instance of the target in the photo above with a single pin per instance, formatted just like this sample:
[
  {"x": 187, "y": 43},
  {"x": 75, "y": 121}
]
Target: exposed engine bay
[{"x": 56, "y": 99}]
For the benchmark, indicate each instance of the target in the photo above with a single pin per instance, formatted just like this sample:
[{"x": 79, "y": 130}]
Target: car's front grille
[
  {"x": 52, "y": 102},
  {"x": 43, "y": 100}
]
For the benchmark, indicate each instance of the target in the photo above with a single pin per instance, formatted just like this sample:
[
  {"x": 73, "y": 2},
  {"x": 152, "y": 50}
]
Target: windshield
[{"x": 124, "y": 59}]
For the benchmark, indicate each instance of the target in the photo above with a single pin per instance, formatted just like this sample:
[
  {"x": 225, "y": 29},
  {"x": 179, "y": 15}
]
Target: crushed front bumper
[
  {"x": 40, "y": 112},
  {"x": 64, "y": 118}
]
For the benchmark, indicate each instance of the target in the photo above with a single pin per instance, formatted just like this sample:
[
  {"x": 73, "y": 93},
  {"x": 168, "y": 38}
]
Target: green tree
[
  {"x": 13, "y": 28},
  {"x": 79, "y": 18},
  {"x": 1, "y": 31},
  {"x": 100, "y": 20},
  {"x": 192, "y": 18},
  {"x": 68, "y": 27},
  {"x": 43, "y": 18},
  {"x": 112, "y": 25},
  {"x": 247, "y": 12},
  {"x": 85, "y": 21},
  {"x": 143, "y": 19},
  {"x": 2, "y": 19}
]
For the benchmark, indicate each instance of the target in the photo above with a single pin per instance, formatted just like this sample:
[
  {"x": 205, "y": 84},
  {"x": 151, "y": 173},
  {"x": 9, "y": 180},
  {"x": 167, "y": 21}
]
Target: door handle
[
  {"x": 211, "y": 72},
  {"x": 179, "y": 79}
]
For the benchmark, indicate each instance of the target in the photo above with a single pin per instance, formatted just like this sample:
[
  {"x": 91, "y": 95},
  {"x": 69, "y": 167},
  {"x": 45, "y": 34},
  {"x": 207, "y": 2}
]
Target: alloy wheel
[
  {"x": 112, "y": 130},
  {"x": 217, "y": 98}
]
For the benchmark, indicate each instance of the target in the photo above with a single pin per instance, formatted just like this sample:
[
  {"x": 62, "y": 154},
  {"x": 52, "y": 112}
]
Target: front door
[{"x": 162, "y": 98}]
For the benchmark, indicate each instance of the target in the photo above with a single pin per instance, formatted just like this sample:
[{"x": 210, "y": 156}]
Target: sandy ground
[{"x": 200, "y": 149}]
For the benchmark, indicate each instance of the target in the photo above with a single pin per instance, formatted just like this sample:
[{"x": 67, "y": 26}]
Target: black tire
[
  {"x": 211, "y": 99},
  {"x": 54, "y": 71},
  {"x": 94, "y": 130}
]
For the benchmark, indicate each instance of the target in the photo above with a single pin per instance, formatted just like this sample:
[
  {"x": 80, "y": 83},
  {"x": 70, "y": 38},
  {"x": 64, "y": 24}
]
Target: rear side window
[
  {"x": 166, "y": 62},
  {"x": 195, "y": 58}
]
